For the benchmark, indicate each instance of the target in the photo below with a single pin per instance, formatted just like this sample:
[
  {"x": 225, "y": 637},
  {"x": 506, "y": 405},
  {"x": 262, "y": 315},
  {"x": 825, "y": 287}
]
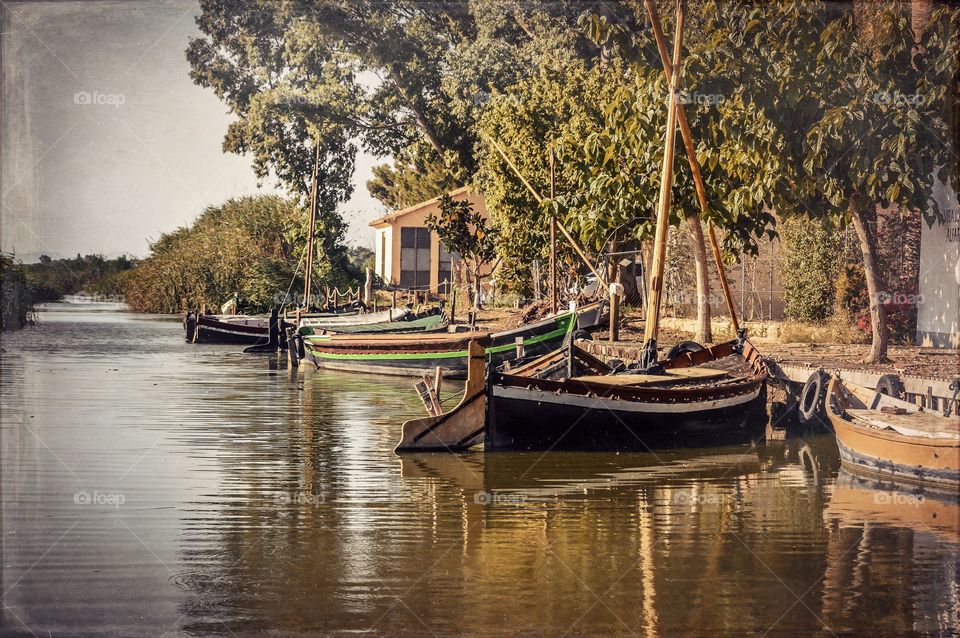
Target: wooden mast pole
[
  {"x": 553, "y": 235},
  {"x": 308, "y": 274},
  {"x": 687, "y": 136},
  {"x": 663, "y": 213},
  {"x": 573, "y": 242}
]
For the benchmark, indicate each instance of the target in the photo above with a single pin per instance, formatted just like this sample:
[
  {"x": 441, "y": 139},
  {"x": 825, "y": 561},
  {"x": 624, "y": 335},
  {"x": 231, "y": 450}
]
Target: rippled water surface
[{"x": 151, "y": 487}]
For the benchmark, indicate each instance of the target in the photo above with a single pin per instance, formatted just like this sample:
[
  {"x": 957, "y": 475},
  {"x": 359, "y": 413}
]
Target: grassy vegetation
[
  {"x": 17, "y": 305},
  {"x": 252, "y": 247},
  {"x": 51, "y": 279}
]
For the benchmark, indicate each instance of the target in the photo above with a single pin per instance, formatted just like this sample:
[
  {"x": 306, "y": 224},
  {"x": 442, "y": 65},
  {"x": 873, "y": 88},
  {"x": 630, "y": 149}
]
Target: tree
[
  {"x": 414, "y": 176},
  {"x": 871, "y": 128},
  {"x": 617, "y": 169},
  {"x": 464, "y": 232}
]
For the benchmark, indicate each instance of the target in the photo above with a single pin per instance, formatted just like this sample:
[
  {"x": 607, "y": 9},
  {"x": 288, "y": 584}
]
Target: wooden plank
[
  {"x": 424, "y": 393},
  {"x": 671, "y": 376},
  {"x": 925, "y": 424}
]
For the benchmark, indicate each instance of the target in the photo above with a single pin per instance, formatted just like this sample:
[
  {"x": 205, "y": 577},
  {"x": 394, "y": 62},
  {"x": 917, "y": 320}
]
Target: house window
[{"x": 414, "y": 257}]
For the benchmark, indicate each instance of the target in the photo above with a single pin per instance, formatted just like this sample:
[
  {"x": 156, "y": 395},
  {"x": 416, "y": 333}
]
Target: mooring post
[
  {"x": 293, "y": 359},
  {"x": 273, "y": 330},
  {"x": 616, "y": 291},
  {"x": 518, "y": 342}
]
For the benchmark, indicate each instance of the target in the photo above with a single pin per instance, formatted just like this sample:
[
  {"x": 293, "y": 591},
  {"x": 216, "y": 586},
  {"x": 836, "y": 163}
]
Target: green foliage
[
  {"x": 739, "y": 150},
  {"x": 463, "y": 231},
  {"x": 415, "y": 175},
  {"x": 557, "y": 105},
  {"x": 51, "y": 279},
  {"x": 17, "y": 305},
  {"x": 361, "y": 258},
  {"x": 812, "y": 255},
  {"x": 249, "y": 246}
]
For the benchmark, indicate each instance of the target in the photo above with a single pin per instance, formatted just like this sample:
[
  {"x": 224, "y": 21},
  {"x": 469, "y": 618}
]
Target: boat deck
[{"x": 922, "y": 424}]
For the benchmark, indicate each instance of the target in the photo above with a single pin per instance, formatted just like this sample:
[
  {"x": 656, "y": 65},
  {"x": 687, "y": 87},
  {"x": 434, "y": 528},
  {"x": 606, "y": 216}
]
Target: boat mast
[
  {"x": 687, "y": 136},
  {"x": 649, "y": 354},
  {"x": 308, "y": 274}
]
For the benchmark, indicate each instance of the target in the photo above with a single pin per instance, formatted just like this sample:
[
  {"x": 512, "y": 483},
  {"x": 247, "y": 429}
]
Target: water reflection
[{"x": 263, "y": 501}]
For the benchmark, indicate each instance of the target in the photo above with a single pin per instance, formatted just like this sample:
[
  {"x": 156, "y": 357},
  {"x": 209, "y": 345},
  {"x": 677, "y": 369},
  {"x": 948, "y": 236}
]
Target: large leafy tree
[
  {"x": 864, "y": 119},
  {"x": 617, "y": 169}
]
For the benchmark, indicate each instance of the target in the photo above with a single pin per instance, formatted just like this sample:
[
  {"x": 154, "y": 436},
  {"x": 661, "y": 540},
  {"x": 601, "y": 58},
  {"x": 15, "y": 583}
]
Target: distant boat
[
  {"x": 570, "y": 399},
  {"x": 883, "y": 436},
  {"x": 413, "y": 354}
]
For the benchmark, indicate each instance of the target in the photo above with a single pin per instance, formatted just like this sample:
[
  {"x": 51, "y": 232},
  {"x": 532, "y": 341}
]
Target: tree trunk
[
  {"x": 878, "y": 314},
  {"x": 704, "y": 331},
  {"x": 417, "y": 113},
  {"x": 476, "y": 290}
]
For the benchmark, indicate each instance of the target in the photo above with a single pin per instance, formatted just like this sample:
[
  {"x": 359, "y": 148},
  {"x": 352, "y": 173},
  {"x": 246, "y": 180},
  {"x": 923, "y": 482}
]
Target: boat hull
[
  {"x": 412, "y": 355},
  {"x": 892, "y": 455},
  {"x": 210, "y": 330},
  {"x": 529, "y": 418}
]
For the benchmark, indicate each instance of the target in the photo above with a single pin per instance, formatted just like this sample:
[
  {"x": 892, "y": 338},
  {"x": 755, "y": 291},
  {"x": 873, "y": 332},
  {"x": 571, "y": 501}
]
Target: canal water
[{"x": 150, "y": 487}]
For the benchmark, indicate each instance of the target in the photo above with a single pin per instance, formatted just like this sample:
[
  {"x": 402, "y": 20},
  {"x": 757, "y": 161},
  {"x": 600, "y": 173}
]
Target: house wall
[
  {"x": 383, "y": 252},
  {"x": 938, "y": 312},
  {"x": 416, "y": 218}
]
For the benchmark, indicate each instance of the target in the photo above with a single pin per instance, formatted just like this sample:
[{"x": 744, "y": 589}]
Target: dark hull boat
[
  {"x": 569, "y": 399},
  {"x": 414, "y": 354},
  {"x": 228, "y": 329},
  {"x": 252, "y": 329}
]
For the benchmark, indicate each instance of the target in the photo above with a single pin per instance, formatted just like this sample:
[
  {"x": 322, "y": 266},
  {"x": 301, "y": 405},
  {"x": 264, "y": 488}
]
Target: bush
[
  {"x": 812, "y": 257},
  {"x": 17, "y": 307},
  {"x": 250, "y": 247}
]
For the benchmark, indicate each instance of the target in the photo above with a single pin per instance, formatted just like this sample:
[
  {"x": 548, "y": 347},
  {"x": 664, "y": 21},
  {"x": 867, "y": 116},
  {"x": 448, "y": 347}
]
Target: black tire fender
[
  {"x": 683, "y": 348},
  {"x": 810, "y": 406},
  {"x": 891, "y": 385}
]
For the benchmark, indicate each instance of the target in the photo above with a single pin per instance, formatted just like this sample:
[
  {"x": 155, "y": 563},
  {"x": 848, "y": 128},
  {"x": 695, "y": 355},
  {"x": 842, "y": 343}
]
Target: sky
[{"x": 106, "y": 142}]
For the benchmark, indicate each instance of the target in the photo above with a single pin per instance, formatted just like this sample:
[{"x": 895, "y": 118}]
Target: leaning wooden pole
[
  {"x": 687, "y": 136},
  {"x": 537, "y": 196},
  {"x": 663, "y": 210},
  {"x": 553, "y": 235},
  {"x": 307, "y": 284}
]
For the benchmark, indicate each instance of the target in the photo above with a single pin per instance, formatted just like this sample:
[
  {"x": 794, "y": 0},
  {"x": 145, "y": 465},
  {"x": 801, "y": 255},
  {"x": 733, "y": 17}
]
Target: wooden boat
[
  {"x": 413, "y": 354},
  {"x": 314, "y": 322},
  {"x": 883, "y": 436},
  {"x": 424, "y": 323},
  {"x": 254, "y": 329},
  {"x": 570, "y": 399}
]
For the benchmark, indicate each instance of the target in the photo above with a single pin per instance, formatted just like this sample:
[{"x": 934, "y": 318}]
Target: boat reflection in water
[
  {"x": 680, "y": 542},
  {"x": 897, "y": 542}
]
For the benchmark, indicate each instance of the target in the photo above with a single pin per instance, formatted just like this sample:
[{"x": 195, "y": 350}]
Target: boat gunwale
[{"x": 654, "y": 394}]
